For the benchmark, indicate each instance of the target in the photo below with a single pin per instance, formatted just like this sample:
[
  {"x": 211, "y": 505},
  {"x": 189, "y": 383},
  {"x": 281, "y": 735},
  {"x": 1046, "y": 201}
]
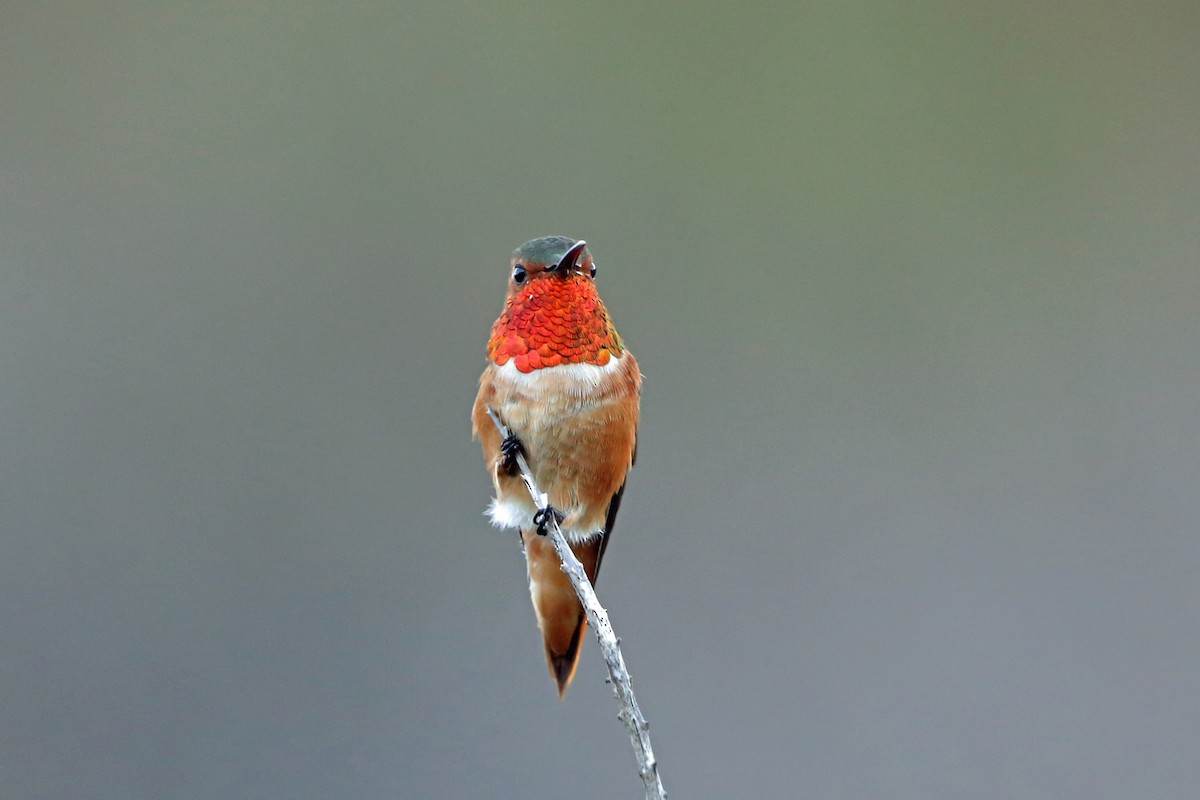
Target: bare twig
[{"x": 630, "y": 714}]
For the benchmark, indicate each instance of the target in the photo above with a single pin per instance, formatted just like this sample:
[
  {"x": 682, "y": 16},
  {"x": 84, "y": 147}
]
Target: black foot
[
  {"x": 542, "y": 519},
  {"x": 510, "y": 448}
]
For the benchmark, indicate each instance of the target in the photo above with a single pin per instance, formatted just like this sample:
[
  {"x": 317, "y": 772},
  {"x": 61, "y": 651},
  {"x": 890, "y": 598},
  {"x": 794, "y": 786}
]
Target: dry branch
[{"x": 629, "y": 713}]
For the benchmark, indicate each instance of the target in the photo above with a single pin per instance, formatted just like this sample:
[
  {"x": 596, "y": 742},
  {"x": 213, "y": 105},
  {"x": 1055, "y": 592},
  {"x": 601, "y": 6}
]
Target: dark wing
[{"x": 610, "y": 519}]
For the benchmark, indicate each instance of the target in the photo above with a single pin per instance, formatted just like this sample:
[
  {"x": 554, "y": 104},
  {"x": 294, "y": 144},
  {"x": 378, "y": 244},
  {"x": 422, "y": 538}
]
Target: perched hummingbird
[{"x": 560, "y": 378}]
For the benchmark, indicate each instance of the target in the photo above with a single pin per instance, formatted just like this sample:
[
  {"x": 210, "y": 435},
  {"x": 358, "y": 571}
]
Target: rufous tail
[{"x": 559, "y": 614}]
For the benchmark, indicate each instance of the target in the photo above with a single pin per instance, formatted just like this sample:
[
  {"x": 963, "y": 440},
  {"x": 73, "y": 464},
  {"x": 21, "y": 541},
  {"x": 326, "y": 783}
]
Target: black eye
[
  {"x": 519, "y": 274},
  {"x": 593, "y": 269}
]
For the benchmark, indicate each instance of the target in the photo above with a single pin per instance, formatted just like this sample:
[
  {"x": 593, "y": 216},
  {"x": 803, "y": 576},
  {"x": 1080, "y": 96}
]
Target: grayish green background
[{"x": 915, "y": 290}]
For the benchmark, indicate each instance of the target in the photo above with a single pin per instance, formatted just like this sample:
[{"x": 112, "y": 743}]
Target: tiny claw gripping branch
[
  {"x": 510, "y": 448},
  {"x": 542, "y": 519}
]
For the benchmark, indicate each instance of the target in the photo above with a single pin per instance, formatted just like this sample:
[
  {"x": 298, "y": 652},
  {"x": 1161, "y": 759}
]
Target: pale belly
[{"x": 577, "y": 424}]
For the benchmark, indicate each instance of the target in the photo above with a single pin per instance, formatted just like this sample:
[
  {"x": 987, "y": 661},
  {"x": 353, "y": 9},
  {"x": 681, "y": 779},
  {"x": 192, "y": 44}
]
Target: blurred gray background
[{"x": 915, "y": 290}]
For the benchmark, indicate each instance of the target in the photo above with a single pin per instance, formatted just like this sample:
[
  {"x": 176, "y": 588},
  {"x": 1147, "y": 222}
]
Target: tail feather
[
  {"x": 559, "y": 614},
  {"x": 562, "y": 667}
]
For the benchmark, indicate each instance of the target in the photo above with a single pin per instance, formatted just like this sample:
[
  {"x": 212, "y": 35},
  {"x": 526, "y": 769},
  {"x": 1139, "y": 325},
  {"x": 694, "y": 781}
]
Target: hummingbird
[{"x": 560, "y": 379}]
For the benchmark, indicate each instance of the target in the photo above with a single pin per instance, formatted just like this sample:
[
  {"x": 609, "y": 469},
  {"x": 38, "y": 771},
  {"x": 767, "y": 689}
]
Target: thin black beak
[{"x": 567, "y": 263}]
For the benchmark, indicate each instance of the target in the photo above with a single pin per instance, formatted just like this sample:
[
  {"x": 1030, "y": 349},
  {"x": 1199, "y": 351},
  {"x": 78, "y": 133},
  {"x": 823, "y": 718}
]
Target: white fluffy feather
[{"x": 593, "y": 374}]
